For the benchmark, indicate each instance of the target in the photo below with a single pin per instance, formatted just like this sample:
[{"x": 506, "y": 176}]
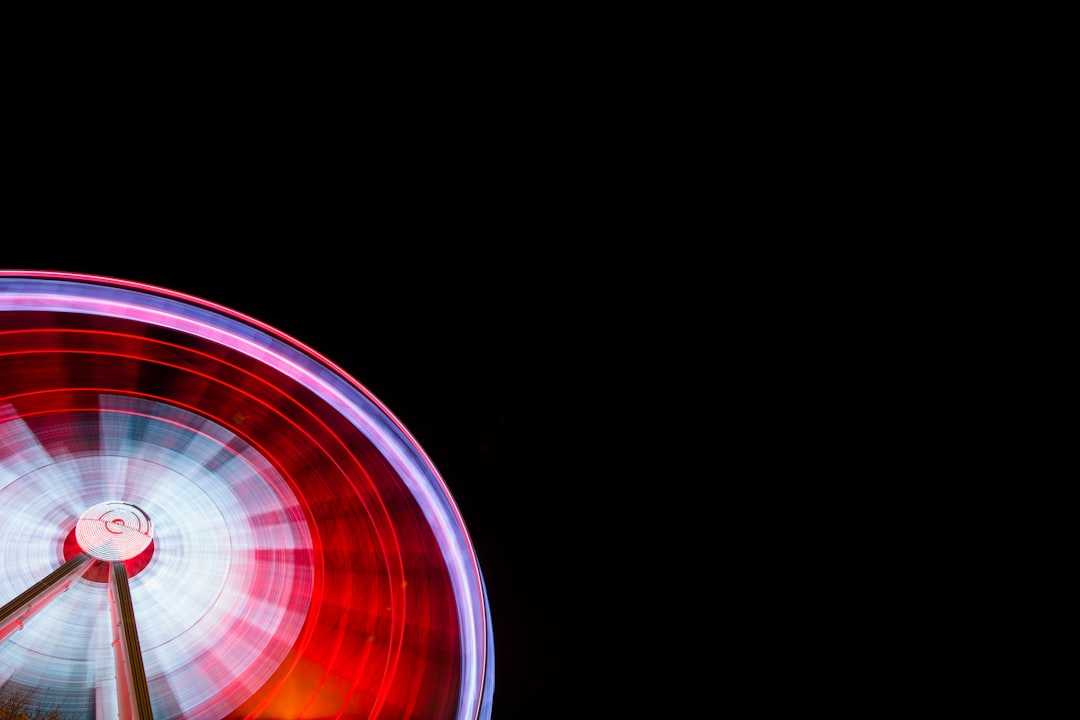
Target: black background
[{"x": 670, "y": 414}]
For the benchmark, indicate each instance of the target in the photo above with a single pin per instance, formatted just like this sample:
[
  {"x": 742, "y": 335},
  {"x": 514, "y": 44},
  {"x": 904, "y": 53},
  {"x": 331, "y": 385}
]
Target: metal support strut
[
  {"x": 133, "y": 694},
  {"x": 38, "y": 595}
]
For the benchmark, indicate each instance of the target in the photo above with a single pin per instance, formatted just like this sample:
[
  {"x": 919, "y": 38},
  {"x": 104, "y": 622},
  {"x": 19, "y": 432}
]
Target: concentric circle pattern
[
  {"x": 292, "y": 551},
  {"x": 114, "y": 531}
]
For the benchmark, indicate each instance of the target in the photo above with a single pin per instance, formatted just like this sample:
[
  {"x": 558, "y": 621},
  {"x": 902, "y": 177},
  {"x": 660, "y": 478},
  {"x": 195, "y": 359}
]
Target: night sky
[{"x": 662, "y": 428}]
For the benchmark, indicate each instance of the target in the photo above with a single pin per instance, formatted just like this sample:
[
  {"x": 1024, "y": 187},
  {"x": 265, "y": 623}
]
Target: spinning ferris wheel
[{"x": 202, "y": 518}]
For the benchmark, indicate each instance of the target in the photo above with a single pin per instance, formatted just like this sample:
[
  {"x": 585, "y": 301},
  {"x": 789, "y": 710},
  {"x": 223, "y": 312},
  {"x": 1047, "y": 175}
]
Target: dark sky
[{"x": 661, "y": 424}]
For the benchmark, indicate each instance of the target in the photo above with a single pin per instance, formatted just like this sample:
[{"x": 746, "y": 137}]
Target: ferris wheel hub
[{"x": 114, "y": 531}]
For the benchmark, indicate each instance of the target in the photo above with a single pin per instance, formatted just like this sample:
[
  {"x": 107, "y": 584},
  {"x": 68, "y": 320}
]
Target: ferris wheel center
[{"x": 114, "y": 531}]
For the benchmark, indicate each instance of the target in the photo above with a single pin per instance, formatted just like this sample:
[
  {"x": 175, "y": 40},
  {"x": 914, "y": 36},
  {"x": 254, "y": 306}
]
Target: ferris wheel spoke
[
  {"x": 15, "y": 613},
  {"x": 133, "y": 693}
]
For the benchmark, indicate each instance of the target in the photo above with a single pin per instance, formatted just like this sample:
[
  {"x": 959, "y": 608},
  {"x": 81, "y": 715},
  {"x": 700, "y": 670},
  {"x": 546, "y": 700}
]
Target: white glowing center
[{"x": 114, "y": 531}]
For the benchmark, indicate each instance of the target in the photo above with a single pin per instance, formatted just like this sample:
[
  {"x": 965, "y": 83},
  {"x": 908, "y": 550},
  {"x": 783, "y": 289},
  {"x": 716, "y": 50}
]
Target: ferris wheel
[{"x": 203, "y": 518}]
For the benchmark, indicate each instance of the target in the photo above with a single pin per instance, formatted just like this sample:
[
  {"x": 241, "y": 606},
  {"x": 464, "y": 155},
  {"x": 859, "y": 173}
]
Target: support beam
[
  {"x": 15, "y": 613},
  {"x": 133, "y": 694}
]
